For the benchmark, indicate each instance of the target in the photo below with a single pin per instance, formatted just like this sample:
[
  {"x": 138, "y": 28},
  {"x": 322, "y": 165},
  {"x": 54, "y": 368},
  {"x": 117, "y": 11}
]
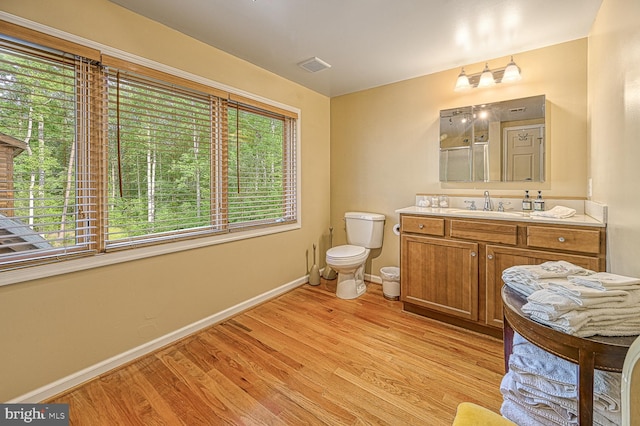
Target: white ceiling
[{"x": 371, "y": 42}]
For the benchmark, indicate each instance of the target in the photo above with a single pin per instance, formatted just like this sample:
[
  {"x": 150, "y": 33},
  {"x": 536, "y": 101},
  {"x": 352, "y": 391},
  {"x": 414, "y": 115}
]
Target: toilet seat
[{"x": 346, "y": 255}]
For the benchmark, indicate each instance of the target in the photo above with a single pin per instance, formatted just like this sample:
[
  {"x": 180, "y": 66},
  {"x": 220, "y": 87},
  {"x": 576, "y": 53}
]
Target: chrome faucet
[{"x": 488, "y": 205}]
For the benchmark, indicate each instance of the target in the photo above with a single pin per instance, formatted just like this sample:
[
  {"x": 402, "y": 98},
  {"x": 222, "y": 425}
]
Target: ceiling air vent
[{"x": 314, "y": 64}]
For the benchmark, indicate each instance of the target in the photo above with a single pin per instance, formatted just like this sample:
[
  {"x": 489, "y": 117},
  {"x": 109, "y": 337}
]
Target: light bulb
[
  {"x": 511, "y": 72},
  {"x": 463, "y": 82},
  {"x": 486, "y": 79}
]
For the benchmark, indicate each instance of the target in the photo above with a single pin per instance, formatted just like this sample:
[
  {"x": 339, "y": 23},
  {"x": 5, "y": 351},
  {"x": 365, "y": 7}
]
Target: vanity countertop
[{"x": 509, "y": 215}]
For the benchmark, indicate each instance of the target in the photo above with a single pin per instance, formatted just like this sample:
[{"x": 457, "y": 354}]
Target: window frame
[{"x": 50, "y": 37}]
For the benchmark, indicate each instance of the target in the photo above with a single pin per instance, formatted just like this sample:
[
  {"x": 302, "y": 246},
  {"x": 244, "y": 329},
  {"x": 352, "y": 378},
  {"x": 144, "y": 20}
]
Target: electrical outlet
[{"x": 590, "y": 187}]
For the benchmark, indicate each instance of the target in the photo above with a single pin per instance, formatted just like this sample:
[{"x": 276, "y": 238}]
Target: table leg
[
  {"x": 507, "y": 338},
  {"x": 586, "y": 365}
]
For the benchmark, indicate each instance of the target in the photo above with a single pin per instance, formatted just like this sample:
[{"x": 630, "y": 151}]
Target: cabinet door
[
  {"x": 500, "y": 258},
  {"x": 440, "y": 275}
]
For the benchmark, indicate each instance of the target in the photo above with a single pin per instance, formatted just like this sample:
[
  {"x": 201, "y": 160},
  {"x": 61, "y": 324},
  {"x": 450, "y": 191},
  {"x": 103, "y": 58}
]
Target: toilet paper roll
[{"x": 396, "y": 229}]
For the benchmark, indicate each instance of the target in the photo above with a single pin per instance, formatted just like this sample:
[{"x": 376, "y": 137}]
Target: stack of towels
[
  {"x": 578, "y": 301},
  {"x": 540, "y": 389}
]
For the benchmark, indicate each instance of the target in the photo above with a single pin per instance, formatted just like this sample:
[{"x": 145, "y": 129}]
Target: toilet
[{"x": 364, "y": 232}]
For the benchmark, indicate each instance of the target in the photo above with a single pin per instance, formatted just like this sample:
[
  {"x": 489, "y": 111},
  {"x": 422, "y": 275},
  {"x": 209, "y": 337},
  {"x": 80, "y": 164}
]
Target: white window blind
[
  {"x": 163, "y": 159},
  {"x": 47, "y": 192},
  {"x": 261, "y": 167},
  {"x": 102, "y": 154}
]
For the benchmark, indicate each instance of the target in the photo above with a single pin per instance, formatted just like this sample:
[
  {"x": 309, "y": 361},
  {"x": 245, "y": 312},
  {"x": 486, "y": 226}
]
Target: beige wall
[
  {"x": 384, "y": 141},
  {"x": 614, "y": 127},
  {"x": 53, "y": 327}
]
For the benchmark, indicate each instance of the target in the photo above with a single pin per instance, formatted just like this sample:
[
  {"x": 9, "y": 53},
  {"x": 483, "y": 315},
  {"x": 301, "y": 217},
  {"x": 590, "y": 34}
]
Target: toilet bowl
[
  {"x": 348, "y": 261},
  {"x": 364, "y": 232}
]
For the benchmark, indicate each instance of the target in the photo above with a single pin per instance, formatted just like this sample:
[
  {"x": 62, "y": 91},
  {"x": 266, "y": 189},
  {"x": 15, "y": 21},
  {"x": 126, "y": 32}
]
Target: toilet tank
[{"x": 364, "y": 229}]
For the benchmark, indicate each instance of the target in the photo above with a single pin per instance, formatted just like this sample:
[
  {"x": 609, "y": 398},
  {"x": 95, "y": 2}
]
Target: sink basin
[{"x": 482, "y": 213}]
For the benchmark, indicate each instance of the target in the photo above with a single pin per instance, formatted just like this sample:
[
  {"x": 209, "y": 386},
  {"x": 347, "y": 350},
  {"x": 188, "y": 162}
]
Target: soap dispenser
[
  {"x": 538, "y": 203},
  {"x": 526, "y": 202}
]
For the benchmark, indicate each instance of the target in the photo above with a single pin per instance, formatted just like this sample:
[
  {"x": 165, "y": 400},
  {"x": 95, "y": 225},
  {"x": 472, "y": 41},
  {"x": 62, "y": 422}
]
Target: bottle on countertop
[
  {"x": 538, "y": 203},
  {"x": 527, "y": 206}
]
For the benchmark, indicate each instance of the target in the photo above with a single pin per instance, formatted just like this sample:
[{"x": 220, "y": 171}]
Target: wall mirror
[{"x": 498, "y": 142}]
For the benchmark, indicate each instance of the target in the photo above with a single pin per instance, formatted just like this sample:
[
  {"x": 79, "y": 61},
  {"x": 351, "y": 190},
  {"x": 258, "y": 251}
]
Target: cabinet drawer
[
  {"x": 485, "y": 231},
  {"x": 580, "y": 240},
  {"x": 423, "y": 225}
]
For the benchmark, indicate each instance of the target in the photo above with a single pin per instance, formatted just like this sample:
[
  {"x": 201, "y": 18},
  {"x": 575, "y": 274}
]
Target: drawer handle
[
  {"x": 490, "y": 257},
  {"x": 561, "y": 239},
  {"x": 474, "y": 254},
  {"x": 421, "y": 226}
]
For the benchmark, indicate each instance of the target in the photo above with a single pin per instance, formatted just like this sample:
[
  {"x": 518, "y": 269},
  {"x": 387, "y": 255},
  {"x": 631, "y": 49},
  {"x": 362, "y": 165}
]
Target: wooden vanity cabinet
[
  {"x": 441, "y": 275},
  {"x": 452, "y": 267}
]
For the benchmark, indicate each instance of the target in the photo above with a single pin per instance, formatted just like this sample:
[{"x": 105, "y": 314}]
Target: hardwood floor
[{"x": 305, "y": 357}]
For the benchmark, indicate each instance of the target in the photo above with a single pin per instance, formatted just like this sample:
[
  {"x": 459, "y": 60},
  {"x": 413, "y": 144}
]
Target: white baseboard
[
  {"x": 373, "y": 278},
  {"x": 54, "y": 388}
]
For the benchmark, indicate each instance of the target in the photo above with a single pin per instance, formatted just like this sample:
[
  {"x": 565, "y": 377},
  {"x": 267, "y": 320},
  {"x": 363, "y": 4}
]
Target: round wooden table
[{"x": 597, "y": 352}]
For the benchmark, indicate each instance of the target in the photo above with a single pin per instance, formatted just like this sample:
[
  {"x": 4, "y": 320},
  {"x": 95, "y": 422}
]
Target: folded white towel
[
  {"x": 552, "y": 312},
  {"x": 544, "y": 386},
  {"x": 591, "y": 322},
  {"x": 560, "y": 297},
  {"x": 623, "y": 329},
  {"x": 526, "y": 279},
  {"x": 549, "y": 409},
  {"x": 560, "y": 376},
  {"x": 568, "y": 323},
  {"x": 603, "y": 403},
  {"x": 539, "y": 409},
  {"x": 518, "y": 414},
  {"x": 554, "y": 302},
  {"x": 606, "y": 281},
  {"x": 566, "y": 408},
  {"x": 531, "y": 361},
  {"x": 551, "y": 269},
  {"x": 558, "y": 212},
  {"x": 524, "y": 289},
  {"x": 580, "y": 292}
]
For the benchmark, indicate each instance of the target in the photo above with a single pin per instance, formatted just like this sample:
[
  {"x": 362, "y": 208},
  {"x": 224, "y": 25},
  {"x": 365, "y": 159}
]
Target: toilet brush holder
[{"x": 314, "y": 273}]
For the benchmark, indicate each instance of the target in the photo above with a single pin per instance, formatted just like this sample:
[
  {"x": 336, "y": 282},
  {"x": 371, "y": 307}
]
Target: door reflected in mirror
[{"x": 503, "y": 141}]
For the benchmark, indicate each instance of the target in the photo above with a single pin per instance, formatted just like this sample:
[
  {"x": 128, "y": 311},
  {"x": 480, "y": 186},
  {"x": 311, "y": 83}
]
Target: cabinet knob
[
  {"x": 561, "y": 239},
  {"x": 421, "y": 226},
  {"x": 474, "y": 254},
  {"x": 490, "y": 257}
]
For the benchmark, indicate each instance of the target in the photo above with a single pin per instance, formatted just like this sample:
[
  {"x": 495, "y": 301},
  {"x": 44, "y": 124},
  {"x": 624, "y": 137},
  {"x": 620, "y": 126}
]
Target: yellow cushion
[{"x": 470, "y": 414}]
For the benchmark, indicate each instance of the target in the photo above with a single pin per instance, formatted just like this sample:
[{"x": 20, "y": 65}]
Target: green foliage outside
[
  {"x": 37, "y": 101},
  {"x": 163, "y": 162},
  {"x": 255, "y": 167}
]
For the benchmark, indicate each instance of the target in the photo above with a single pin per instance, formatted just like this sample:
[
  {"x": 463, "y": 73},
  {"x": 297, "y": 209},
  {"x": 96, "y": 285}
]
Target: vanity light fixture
[{"x": 487, "y": 77}]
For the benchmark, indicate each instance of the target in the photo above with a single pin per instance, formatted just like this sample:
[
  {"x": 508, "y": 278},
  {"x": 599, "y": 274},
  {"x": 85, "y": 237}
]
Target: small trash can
[{"x": 390, "y": 282}]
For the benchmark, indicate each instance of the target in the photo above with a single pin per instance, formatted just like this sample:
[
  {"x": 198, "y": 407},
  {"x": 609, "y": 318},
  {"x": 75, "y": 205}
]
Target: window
[
  {"x": 162, "y": 153},
  {"x": 102, "y": 155},
  {"x": 47, "y": 193},
  {"x": 260, "y": 169}
]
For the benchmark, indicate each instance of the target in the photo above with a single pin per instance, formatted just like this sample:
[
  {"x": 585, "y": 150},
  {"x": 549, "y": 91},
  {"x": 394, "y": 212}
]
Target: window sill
[{"x": 105, "y": 259}]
